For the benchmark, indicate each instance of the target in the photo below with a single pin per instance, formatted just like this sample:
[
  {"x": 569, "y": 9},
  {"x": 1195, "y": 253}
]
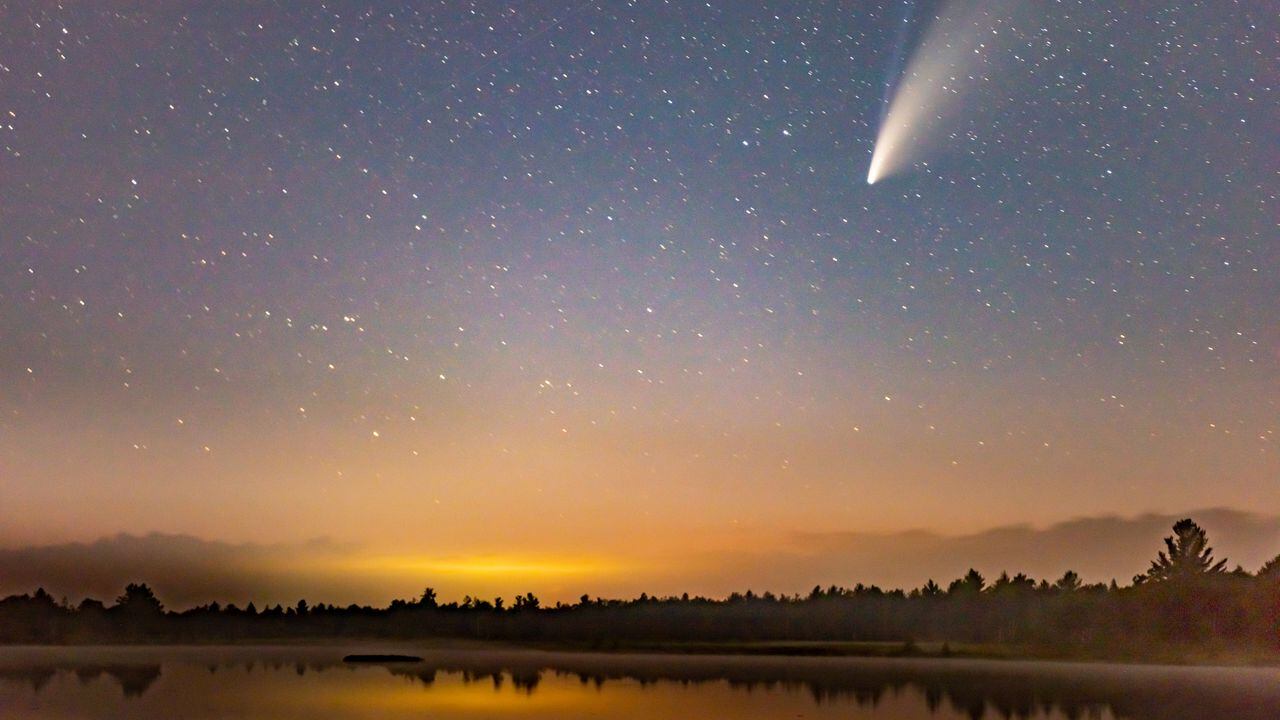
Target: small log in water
[{"x": 381, "y": 658}]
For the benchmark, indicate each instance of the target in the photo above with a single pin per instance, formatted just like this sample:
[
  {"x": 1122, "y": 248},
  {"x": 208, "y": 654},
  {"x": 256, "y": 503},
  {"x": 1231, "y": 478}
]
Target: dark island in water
[
  {"x": 378, "y": 659},
  {"x": 1187, "y": 607}
]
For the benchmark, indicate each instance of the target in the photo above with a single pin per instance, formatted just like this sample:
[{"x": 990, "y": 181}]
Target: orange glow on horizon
[{"x": 485, "y": 566}]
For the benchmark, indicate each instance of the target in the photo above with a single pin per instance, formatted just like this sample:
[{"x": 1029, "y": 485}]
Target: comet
[{"x": 952, "y": 57}]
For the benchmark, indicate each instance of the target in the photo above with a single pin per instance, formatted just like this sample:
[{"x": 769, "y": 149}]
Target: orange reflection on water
[
  {"x": 452, "y": 696},
  {"x": 366, "y": 693}
]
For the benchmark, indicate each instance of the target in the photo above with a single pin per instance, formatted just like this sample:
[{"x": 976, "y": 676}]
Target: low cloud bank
[
  {"x": 184, "y": 570},
  {"x": 1098, "y": 548}
]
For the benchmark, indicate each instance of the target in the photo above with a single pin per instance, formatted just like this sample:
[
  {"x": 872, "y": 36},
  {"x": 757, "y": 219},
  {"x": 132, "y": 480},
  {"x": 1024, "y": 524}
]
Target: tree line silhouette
[{"x": 1186, "y": 602}]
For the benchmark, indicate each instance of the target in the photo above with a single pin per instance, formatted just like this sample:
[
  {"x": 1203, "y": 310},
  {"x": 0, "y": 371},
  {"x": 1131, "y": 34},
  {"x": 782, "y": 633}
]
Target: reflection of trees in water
[
  {"x": 1012, "y": 692},
  {"x": 134, "y": 679},
  {"x": 990, "y": 690},
  {"x": 37, "y": 676}
]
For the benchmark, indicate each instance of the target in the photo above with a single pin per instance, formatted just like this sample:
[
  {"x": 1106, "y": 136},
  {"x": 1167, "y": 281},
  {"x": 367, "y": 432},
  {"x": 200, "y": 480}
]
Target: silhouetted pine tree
[{"x": 1188, "y": 556}]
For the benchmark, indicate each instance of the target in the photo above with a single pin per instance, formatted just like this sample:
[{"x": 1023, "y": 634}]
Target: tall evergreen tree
[{"x": 1188, "y": 555}]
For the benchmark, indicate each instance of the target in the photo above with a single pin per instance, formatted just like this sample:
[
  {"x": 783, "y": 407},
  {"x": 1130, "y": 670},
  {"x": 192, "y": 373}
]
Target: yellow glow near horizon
[{"x": 487, "y": 566}]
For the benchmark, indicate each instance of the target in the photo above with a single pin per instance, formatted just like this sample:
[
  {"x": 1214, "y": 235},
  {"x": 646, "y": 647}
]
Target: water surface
[{"x": 202, "y": 683}]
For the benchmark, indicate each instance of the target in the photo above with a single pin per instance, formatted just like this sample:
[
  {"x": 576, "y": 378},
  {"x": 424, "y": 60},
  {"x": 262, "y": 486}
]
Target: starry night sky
[{"x": 461, "y": 279}]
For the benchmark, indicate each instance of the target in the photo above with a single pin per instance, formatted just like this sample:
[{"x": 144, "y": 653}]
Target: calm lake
[{"x": 311, "y": 682}]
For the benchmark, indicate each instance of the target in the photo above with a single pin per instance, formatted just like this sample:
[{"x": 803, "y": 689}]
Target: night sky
[{"x": 557, "y": 290}]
